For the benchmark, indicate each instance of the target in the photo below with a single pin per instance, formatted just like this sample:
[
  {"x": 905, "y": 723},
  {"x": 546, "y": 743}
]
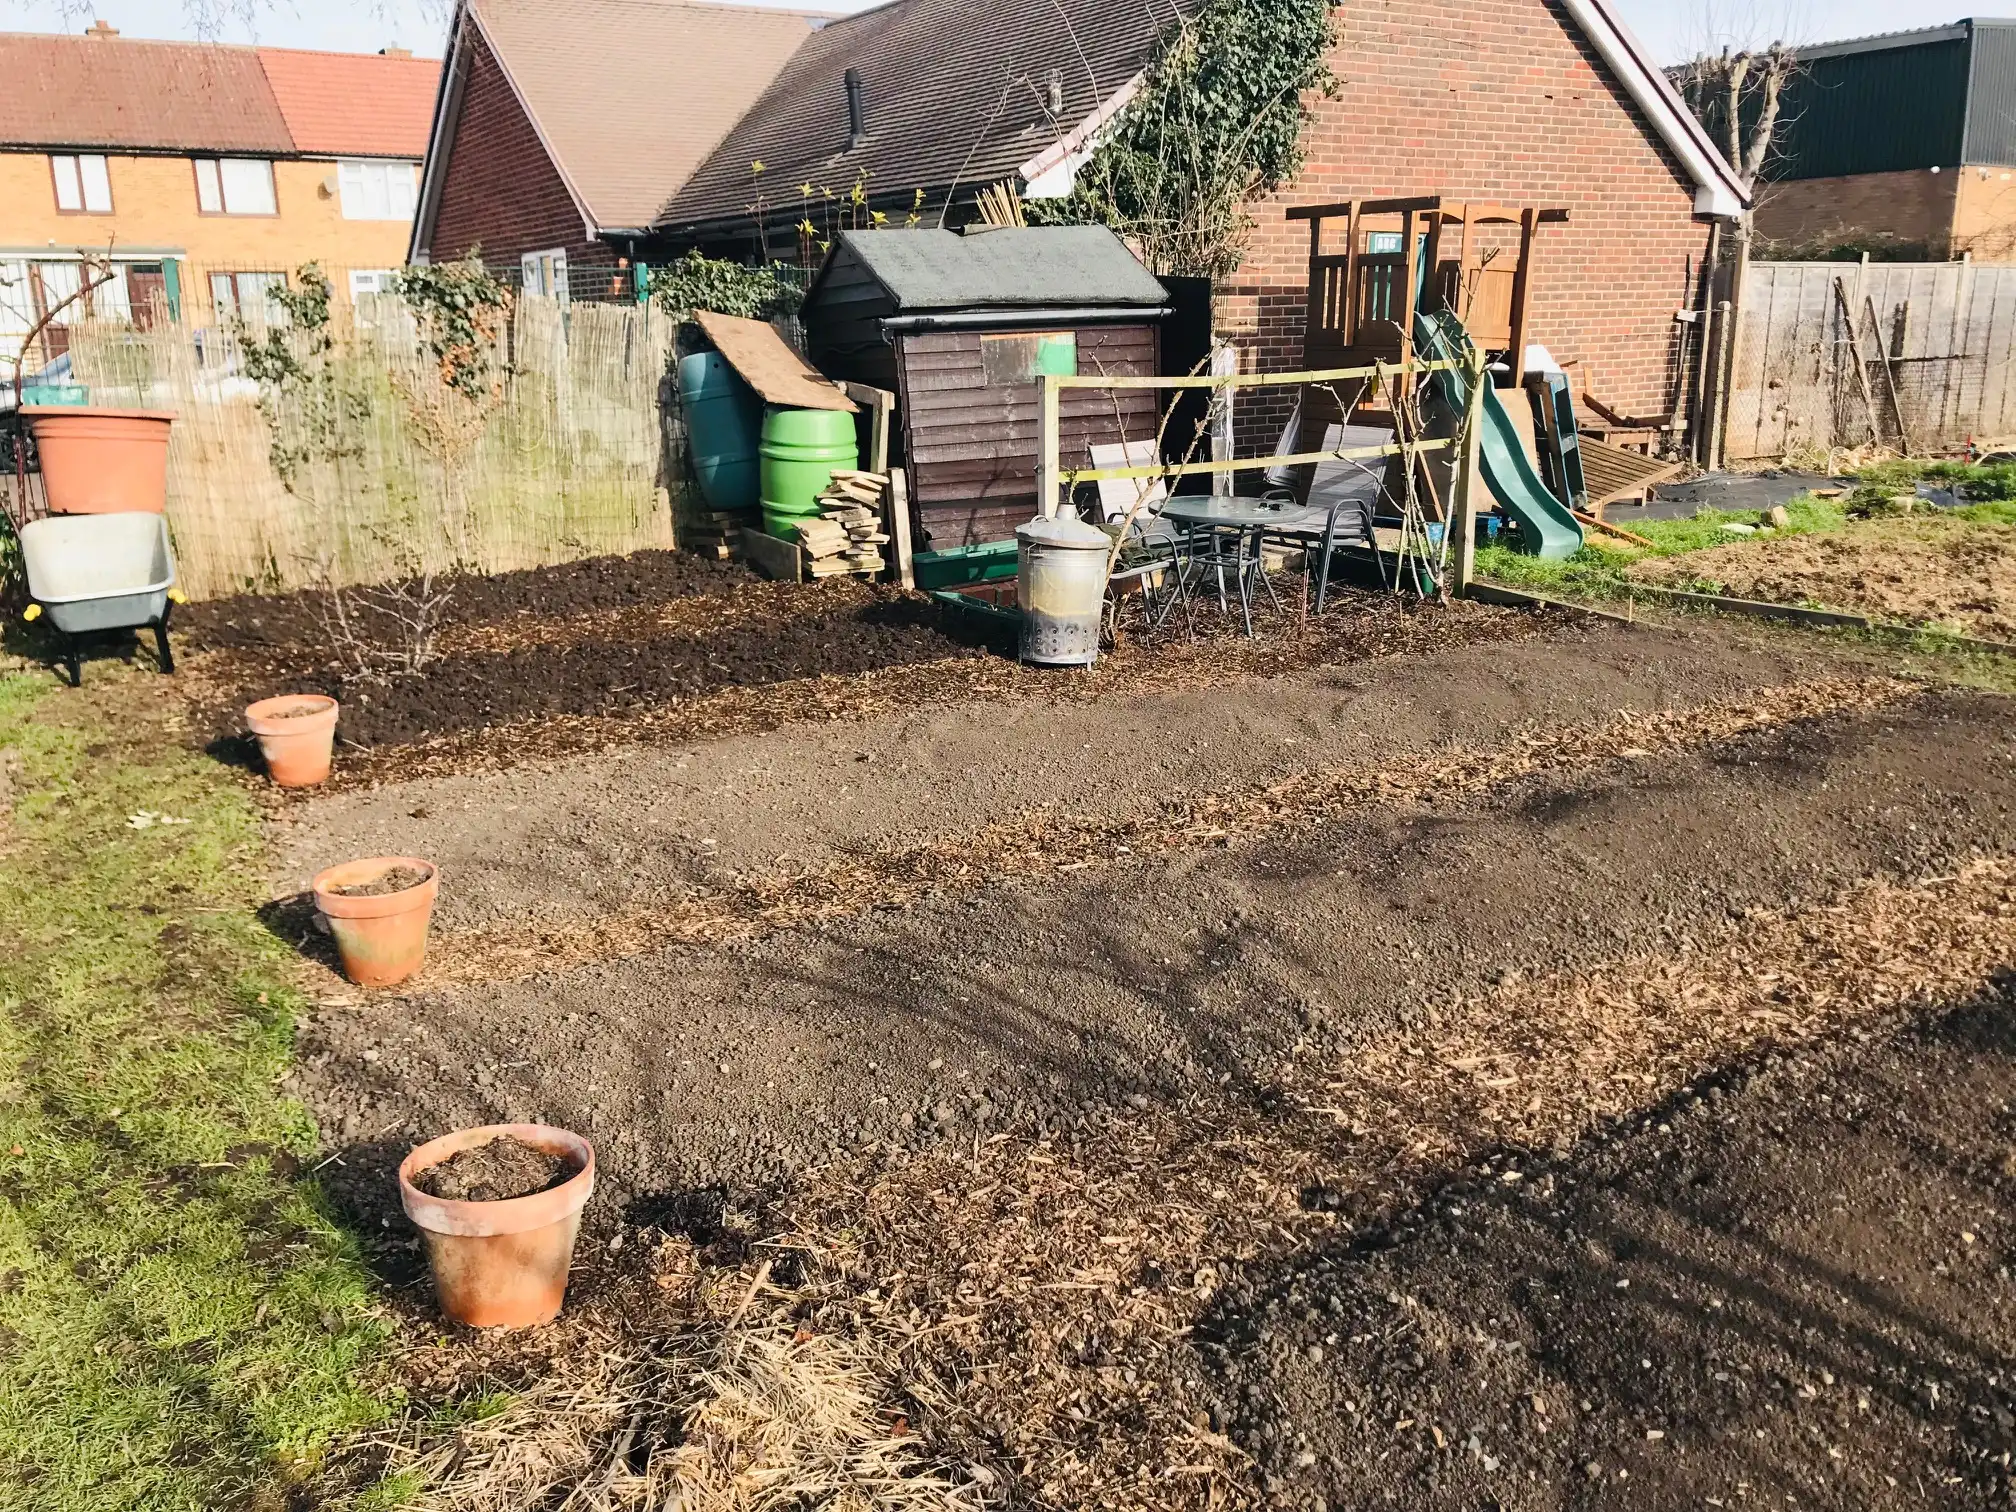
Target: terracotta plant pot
[
  {"x": 383, "y": 938},
  {"x": 101, "y": 461},
  {"x": 297, "y": 736},
  {"x": 501, "y": 1264}
]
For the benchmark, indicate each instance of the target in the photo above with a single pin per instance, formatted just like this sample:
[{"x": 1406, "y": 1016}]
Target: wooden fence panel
[{"x": 1946, "y": 330}]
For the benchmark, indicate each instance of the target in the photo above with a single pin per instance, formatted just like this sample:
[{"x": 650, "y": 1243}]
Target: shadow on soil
[{"x": 1788, "y": 1276}]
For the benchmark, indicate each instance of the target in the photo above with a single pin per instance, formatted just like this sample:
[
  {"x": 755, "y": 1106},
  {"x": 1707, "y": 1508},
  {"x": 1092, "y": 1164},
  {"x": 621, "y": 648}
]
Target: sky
[{"x": 1672, "y": 29}]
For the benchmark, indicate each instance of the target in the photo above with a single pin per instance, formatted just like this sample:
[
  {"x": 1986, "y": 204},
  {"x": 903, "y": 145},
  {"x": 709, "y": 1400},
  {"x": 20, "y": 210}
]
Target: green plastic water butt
[
  {"x": 724, "y": 418},
  {"x": 801, "y": 451}
]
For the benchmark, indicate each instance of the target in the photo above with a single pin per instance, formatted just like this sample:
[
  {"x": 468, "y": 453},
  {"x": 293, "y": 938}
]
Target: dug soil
[
  {"x": 504, "y": 1168},
  {"x": 1950, "y": 574},
  {"x": 1786, "y": 1284},
  {"x": 1254, "y": 1095},
  {"x": 397, "y": 880},
  {"x": 606, "y": 638}
]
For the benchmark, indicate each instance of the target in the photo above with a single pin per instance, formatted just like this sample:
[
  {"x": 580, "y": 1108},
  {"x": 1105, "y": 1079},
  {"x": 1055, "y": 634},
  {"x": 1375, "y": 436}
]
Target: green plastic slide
[{"x": 1546, "y": 527}]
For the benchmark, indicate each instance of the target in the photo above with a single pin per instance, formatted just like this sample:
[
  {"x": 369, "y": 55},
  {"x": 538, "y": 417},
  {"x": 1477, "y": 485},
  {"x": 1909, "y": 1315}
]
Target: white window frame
[
  {"x": 228, "y": 293},
  {"x": 377, "y": 189},
  {"x": 365, "y": 281},
  {"x": 83, "y": 183},
  {"x": 544, "y": 273},
  {"x": 225, "y": 186}
]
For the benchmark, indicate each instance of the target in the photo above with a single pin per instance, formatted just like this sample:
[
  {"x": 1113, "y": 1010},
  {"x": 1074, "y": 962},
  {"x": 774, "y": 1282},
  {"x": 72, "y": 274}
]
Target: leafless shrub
[{"x": 384, "y": 631}]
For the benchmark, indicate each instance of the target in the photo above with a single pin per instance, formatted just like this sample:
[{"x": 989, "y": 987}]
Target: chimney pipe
[{"x": 857, "y": 109}]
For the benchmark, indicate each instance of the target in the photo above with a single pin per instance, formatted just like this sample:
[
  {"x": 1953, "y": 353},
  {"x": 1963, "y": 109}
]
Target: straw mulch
[
  {"x": 1009, "y": 1323},
  {"x": 1048, "y": 844}
]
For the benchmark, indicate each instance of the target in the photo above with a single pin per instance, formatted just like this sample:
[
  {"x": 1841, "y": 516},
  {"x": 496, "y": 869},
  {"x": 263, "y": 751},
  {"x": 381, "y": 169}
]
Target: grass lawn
[
  {"x": 181, "y": 1326},
  {"x": 1599, "y": 568}
]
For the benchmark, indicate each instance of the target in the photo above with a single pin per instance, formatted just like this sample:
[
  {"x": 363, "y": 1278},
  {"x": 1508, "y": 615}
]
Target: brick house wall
[
  {"x": 1984, "y": 213},
  {"x": 1916, "y": 208},
  {"x": 500, "y": 190},
  {"x": 1490, "y": 100}
]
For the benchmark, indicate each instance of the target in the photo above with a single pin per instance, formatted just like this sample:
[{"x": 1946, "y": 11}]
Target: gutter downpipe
[{"x": 1704, "y": 350}]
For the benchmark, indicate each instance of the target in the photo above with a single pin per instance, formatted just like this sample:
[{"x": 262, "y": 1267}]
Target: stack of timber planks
[
  {"x": 848, "y": 536},
  {"x": 717, "y": 533}
]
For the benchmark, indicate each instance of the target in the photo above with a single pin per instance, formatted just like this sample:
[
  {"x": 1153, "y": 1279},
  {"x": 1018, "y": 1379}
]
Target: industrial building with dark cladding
[{"x": 1903, "y": 145}]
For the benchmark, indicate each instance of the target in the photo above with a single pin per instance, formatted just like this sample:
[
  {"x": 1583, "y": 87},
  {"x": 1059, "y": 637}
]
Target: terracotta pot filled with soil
[
  {"x": 378, "y": 912},
  {"x": 297, "y": 736},
  {"x": 500, "y": 1207}
]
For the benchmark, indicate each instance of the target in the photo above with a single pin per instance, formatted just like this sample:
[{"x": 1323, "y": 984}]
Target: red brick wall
[
  {"x": 1493, "y": 100},
  {"x": 501, "y": 191},
  {"x": 1915, "y": 207}
]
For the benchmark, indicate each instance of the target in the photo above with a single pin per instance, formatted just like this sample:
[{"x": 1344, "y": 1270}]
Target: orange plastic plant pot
[{"x": 101, "y": 461}]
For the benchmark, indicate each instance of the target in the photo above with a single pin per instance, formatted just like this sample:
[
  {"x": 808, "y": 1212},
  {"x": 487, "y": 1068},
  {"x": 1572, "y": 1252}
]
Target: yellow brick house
[{"x": 207, "y": 172}]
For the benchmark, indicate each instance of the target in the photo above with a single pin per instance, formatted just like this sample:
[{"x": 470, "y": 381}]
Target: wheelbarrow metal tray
[{"x": 99, "y": 572}]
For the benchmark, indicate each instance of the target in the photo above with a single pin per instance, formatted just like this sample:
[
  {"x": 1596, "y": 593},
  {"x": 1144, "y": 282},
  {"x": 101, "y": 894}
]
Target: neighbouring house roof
[
  {"x": 1718, "y": 191},
  {"x": 629, "y": 96},
  {"x": 1047, "y": 267},
  {"x": 141, "y": 96},
  {"x": 956, "y": 92},
  {"x": 353, "y": 104}
]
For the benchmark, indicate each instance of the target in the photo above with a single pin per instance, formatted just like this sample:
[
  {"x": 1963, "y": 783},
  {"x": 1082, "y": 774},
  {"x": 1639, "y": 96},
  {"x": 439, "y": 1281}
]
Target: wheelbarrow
[{"x": 92, "y": 573}]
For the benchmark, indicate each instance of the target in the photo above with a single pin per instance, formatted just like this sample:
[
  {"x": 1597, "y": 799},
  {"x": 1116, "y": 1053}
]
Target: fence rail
[{"x": 1943, "y": 333}]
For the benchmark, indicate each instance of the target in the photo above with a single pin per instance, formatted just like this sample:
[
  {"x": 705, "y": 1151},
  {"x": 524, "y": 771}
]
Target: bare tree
[{"x": 1739, "y": 94}]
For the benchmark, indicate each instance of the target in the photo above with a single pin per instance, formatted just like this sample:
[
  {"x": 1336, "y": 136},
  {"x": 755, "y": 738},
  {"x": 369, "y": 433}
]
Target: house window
[
  {"x": 235, "y": 186},
  {"x": 371, "y": 281},
  {"x": 83, "y": 186},
  {"x": 248, "y": 295},
  {"x": 376, "y": 190},
  {"x": 544, "y": 273}
]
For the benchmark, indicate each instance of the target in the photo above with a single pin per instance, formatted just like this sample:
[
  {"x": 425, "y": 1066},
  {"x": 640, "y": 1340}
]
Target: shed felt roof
[
  {"x": 1015, "y": 268},
  {"x": 955, "y": 91},
  {"x": 629, "y": 95}
]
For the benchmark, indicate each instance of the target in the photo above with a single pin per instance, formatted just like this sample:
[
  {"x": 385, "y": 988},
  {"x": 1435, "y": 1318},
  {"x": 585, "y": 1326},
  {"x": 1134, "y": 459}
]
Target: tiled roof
[
  {"x": 956, "y": 90},
  {"x": 354, "y": 104},
  {"x": 629, "y": 95},
  {"x": 115, "y": 92},
  {"x": 109, "y": 92}
]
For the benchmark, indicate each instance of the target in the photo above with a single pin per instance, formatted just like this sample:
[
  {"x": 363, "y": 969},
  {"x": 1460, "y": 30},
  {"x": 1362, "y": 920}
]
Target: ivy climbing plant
[
  {"x": 1217, "y": 122},
  {"x": 310, "y": 406},
  {"x": 461, "y": 309},
  {"x": 699, "y": 282}
]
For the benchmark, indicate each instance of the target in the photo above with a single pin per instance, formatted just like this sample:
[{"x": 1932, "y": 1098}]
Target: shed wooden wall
[
  {"x": 843, "y": 324},
  {"x": 971, "y": 449}
]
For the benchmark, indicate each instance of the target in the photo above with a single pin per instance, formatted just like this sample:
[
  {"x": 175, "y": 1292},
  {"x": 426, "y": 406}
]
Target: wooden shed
[{"x": 961, "y": 326}]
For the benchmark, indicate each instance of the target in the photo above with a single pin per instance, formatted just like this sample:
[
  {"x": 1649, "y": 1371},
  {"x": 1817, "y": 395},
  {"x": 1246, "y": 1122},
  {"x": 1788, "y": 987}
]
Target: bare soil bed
[
  {"x": 1090, "y": 1122},
  {"x": 1785, "y": 1284},
  {"x": 1950, "y": 574},
  {"x": 603, "y": 638},
  {"x": 658, "y": 648}
]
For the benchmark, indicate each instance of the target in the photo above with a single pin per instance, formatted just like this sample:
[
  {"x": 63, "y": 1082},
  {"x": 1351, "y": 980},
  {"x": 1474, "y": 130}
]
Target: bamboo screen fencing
[
  {"x": 386, "y": 470},
  {"x": 1945, "y": 332}
]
